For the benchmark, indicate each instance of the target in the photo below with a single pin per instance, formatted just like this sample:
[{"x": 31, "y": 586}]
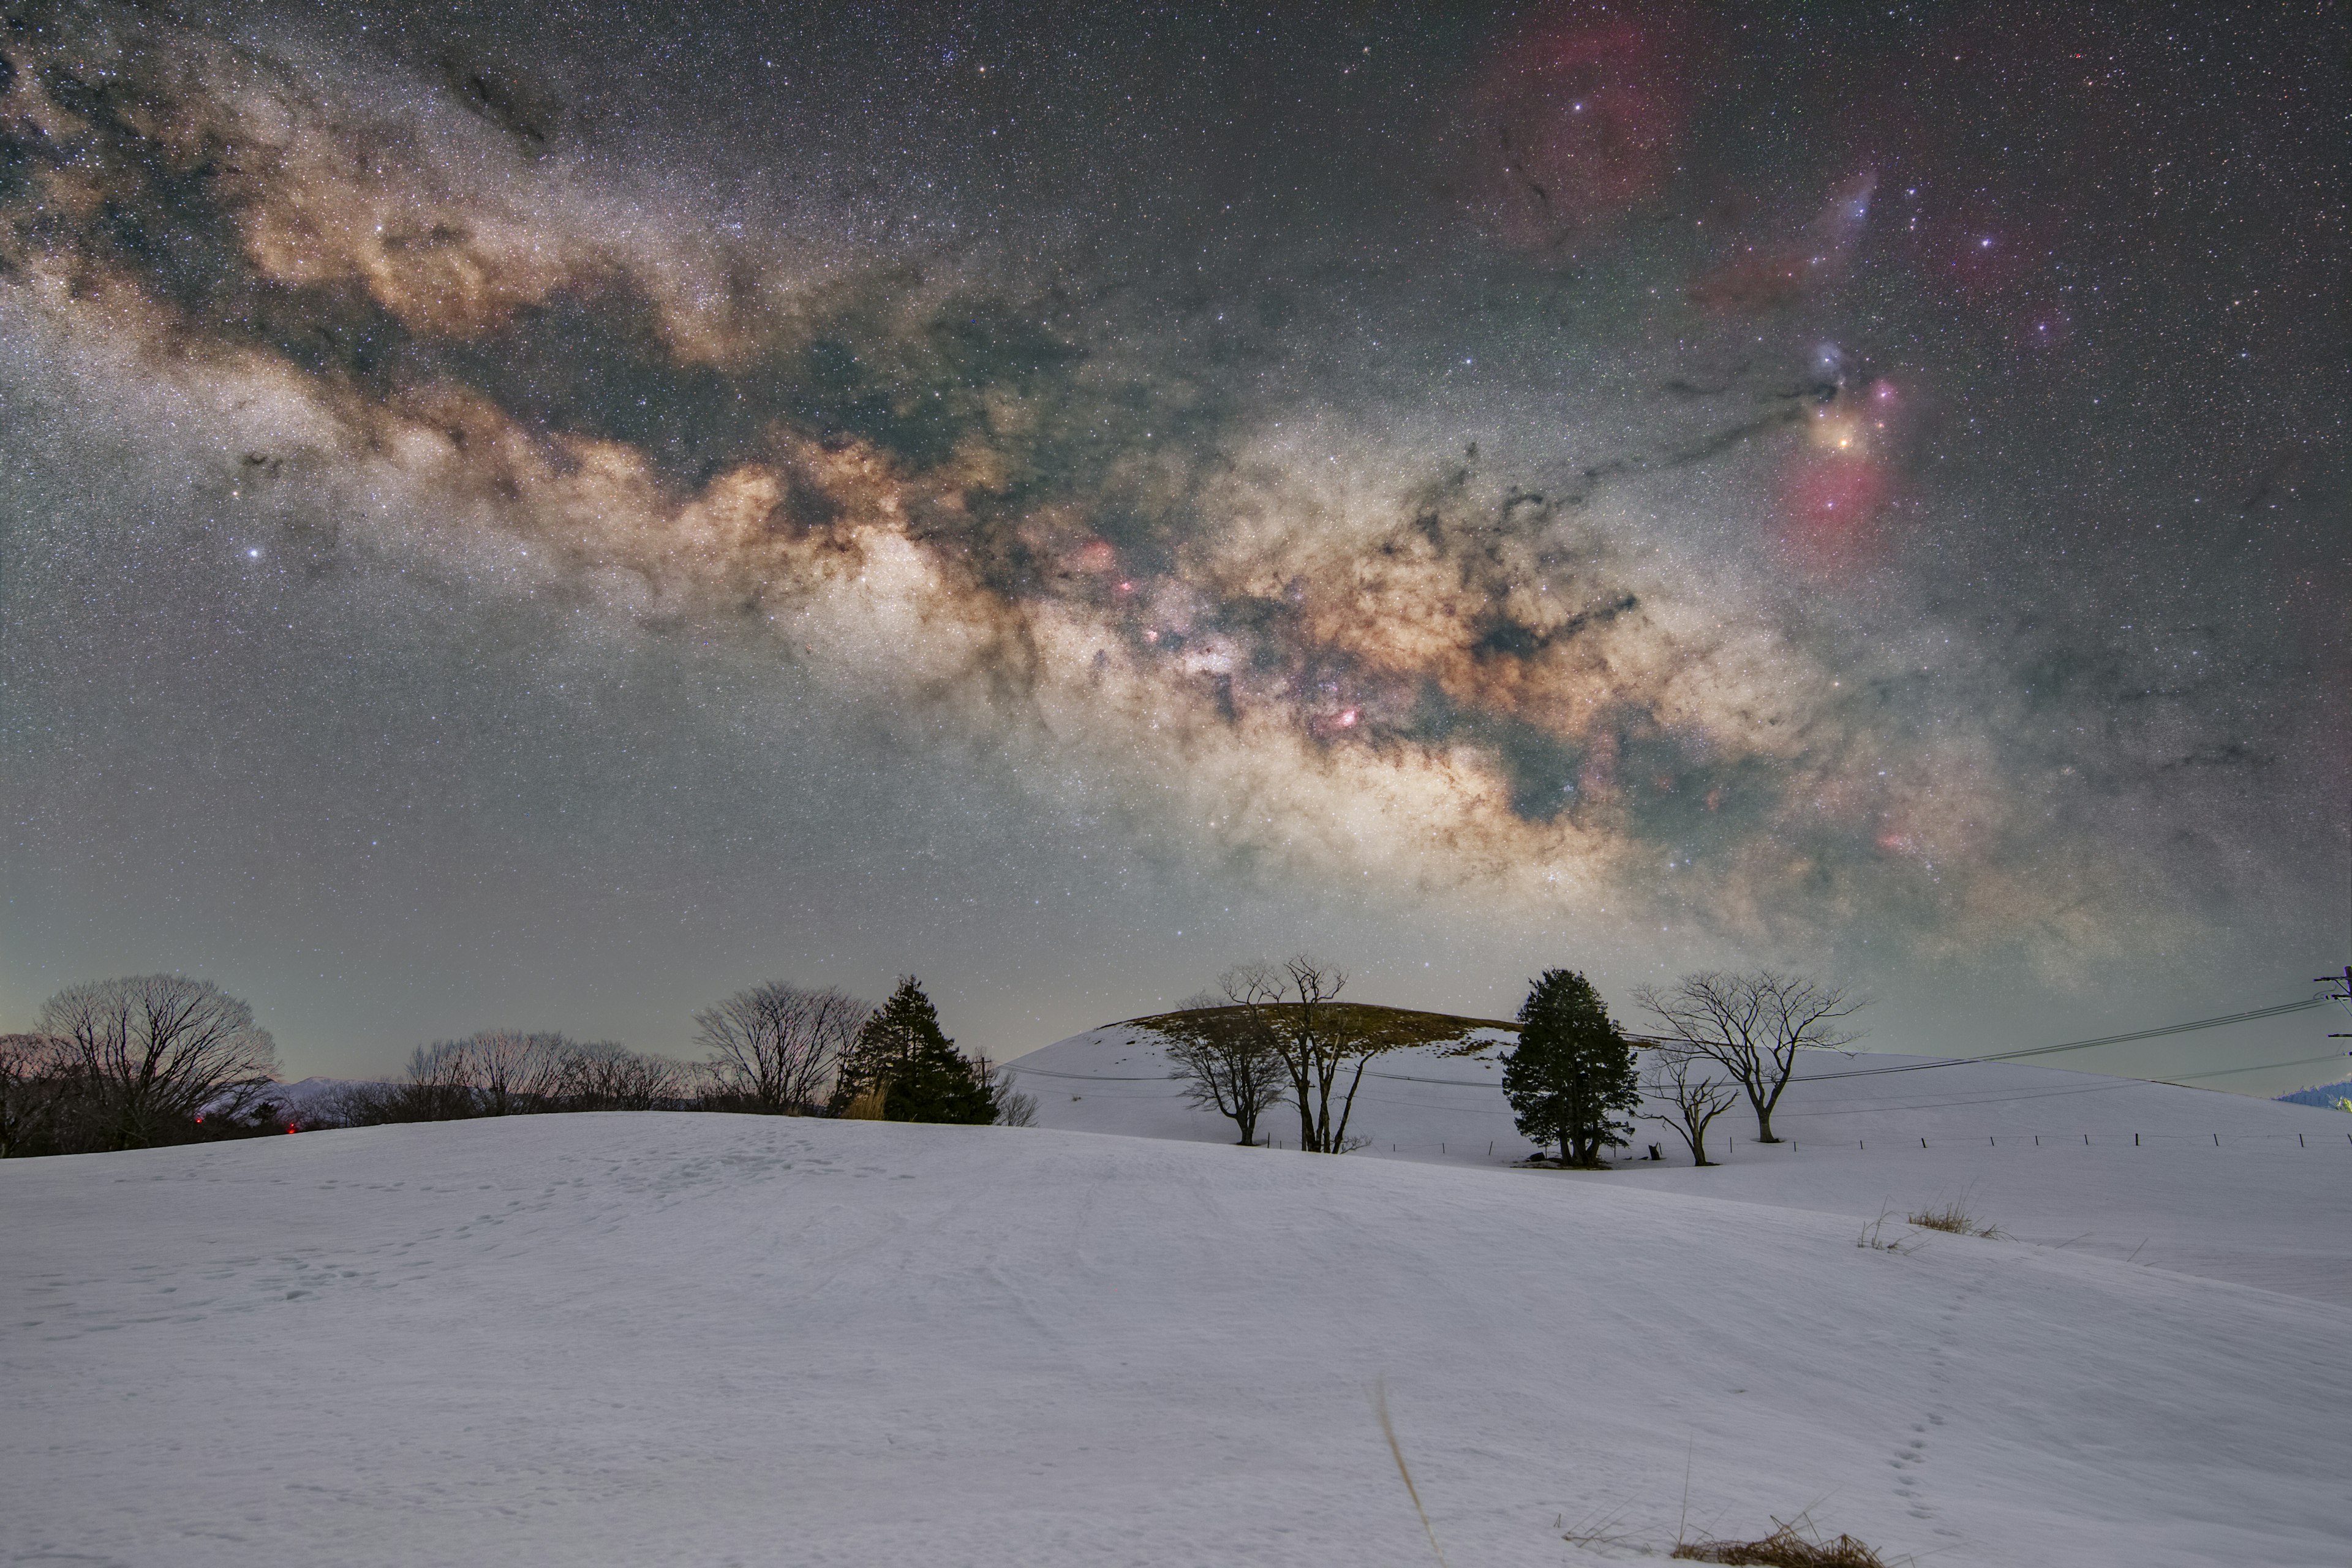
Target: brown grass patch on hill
[
  {"x": 1384, "y": 1028},
  {"x": 1954, "y": 1220},
  {"x": 1786, "y": 1547}
]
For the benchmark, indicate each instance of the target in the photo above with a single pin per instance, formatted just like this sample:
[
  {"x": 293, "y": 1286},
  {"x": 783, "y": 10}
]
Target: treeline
[
  {"x": 163, "y": 1059},
  {"x": 1278, "y": 1033},
  {"x": 130, "y": 1063},
  {"x": 508, "y": 1072}
]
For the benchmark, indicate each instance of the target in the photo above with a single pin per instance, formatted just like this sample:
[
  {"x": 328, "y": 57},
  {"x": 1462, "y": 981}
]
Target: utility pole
[{"x": 2341, "y": 992}]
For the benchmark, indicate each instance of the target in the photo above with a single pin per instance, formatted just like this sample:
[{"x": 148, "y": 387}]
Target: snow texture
[
  {"x": 693, "y": 1339},
  {"x": 2223, "y": 1185}
]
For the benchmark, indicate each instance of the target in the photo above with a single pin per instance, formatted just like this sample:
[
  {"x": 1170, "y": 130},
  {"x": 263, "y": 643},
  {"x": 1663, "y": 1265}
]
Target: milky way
[{"x": 1864, "y": 490}]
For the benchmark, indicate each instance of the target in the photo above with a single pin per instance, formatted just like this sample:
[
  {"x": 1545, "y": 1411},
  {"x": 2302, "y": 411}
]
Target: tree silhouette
[
  {"x": 901, "y": 1056},
  {"x": 1572, "y": 1074}
]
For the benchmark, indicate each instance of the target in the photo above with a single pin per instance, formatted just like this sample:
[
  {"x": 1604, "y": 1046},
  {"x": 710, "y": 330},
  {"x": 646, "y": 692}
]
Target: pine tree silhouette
[
  {"x": 920, "y": 1075},
  {"x": 1574, "y": 1072}
]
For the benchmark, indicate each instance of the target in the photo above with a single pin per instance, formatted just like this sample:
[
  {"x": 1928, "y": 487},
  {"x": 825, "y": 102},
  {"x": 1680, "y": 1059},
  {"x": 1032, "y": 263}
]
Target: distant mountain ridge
[{"x": 2326, "y": 1095}]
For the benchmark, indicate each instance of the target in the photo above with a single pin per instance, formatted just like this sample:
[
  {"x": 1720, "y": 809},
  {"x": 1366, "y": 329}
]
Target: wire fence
[
  {"x": 1517, "y": 1150},
  {"x": 1512, "y": 1149}
]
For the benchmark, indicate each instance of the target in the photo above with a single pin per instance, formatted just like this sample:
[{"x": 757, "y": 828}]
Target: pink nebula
[{"x": 1573, "y": 119}]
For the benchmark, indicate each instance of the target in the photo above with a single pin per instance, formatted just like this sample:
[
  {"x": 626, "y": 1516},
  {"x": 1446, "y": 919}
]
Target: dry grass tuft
[
  {"x": 1871, "y": 1238},
  {"x": 1786, "y": 1547},
  {"x": 1954, "y": 1220},
  {"x": 1600, "y": 1532}
]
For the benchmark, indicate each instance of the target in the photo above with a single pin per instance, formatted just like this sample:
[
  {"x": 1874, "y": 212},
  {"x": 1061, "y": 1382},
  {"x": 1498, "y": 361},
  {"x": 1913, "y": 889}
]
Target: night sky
[{"x": 545, "y": 521}]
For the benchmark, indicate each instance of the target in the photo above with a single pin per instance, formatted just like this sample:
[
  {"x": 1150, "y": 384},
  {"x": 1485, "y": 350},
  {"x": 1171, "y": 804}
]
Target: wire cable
[{"x": 2245, "y": 1017}]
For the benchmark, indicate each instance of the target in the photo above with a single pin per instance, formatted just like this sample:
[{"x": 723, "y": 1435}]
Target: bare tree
[
  {"x": 1677, "y": 1077},
  {"x": 1753, "y": 1025},
  {"x": 1227, "y": 1058},
  {"x": 144, "y": 1053},
  {"x": 439, "y": 1085},
  {"x": 514, "y": 1073},
  {"x": 604, "y": 1077},
  {"x": 446, "y": 1081},
  {"x": 774, "y": 1048},
  {"x": 1323, "y": 1044},
  {"x": 30, "y": 1095},
  {"x": 1013, "y": 1107}
]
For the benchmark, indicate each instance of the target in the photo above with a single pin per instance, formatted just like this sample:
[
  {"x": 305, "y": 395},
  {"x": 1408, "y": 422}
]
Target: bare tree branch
[
  {"x": 32, "y": 1097},
  {"x": 1753, "y": 1025},
  {"x": 148, "y": 1052},
  {"x": 1227, "y": 1058},
  {"x": 604, "y": 1077},
  {"x": 515, "y": 1073},
  {"x": 1675, "y": 1074},
  {"x": 773, "y": 1048}
]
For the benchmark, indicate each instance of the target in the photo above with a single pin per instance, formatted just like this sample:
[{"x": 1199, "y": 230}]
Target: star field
[{"x": 543, "y": 518}]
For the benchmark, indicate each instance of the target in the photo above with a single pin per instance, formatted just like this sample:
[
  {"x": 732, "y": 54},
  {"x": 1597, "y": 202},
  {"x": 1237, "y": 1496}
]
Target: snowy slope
[
  {"x": 682, "y": 1339},
  {"x": 2269, "y": 1203}
]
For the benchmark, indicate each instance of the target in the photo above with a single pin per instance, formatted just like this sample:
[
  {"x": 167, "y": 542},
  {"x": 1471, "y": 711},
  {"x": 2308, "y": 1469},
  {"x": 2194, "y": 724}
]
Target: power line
[
  {"x": 2245, "y": 1017},
  {"x": 1783, "y": 1113},
  {"x": 1089, "y": 1077},
  {"x": 2248, "y": 1016},
  {"x": 2225, "y": 1072}
]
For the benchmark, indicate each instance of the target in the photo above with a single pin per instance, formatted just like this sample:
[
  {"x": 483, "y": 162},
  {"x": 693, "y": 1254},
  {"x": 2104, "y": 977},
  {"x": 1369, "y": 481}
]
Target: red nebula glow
[
  {"x": 1348, "y": 720},
  {"x": 1575, "y": 118},
  {"x": 1830, "y": 505}
]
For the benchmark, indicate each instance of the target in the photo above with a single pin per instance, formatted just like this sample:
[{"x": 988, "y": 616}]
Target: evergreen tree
[
  {"x": 921, "y": 1076},
  {"x": 1572, "y": 1075}
]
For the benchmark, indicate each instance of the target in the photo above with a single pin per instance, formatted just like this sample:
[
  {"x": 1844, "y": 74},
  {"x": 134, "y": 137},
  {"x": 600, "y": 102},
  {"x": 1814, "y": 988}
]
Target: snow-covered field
[
  {"x": 676, "y": 1338},
  {"x": 2251, "y": 1191}
]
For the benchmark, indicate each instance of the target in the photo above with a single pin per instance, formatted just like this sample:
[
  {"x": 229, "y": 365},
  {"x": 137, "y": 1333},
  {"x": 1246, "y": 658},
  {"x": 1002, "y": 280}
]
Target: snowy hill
[
  {"x": 2326, "y": 1095},
  {"x": 695, "y": 1339},
  {"x": 2251, "y": 1191}
]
